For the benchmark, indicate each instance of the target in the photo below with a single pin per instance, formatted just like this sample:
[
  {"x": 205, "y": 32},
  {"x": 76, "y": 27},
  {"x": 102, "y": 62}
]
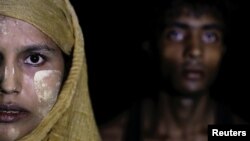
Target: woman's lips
[{"x": 10, "y": 113}]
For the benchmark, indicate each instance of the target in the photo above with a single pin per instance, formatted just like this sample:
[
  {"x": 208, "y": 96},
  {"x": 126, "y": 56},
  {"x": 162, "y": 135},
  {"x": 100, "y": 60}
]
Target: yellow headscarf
[{"x": 71, "y": 118}]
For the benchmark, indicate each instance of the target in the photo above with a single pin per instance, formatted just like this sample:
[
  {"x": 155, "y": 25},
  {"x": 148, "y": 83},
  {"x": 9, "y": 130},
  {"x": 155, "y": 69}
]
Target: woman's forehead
[
  {"x": 17, "y": 32},
  {"x": 16, "y": 24}
]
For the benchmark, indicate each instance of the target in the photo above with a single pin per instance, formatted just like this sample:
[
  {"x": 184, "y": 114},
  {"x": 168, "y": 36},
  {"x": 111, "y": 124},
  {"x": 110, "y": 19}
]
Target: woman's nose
[{"x": 10, "y": 82}]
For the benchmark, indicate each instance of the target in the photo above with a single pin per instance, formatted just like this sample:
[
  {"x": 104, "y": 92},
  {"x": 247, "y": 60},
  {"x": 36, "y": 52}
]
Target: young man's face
[
  {"x": 31, "y": 72},
  {"x": 191, "y": 50}
]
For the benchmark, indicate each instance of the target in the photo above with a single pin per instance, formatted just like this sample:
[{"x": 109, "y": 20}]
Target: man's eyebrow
[
  {"x": 36, "y": 47},
  {"x": 208, "y": 26},
  {"x": 178, "y": 25},
  {"x": 213, "y": 26}
]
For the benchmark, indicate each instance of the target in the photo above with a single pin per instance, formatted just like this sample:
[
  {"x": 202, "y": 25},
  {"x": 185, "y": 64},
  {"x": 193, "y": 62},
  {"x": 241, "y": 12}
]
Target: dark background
[{"x": 118, "y": 68}]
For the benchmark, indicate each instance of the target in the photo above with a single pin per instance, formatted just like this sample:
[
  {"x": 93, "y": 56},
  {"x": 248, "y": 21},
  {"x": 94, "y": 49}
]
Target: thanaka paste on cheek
[
  {"x": 3, "y": 28},
  {"x": 47, "y": 85},
  {"x": 13, "y": 133}
]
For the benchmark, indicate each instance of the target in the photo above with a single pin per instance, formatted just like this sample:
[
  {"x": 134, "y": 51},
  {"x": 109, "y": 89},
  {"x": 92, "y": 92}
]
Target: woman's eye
[
  {"x": 35, "y": 59},
  {"x": 176, "y": 36},
  {"x": 210, "y": 37}
]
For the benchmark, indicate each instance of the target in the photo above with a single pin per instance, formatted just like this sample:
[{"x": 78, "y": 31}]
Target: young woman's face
[{"x": 31, "y": 73}]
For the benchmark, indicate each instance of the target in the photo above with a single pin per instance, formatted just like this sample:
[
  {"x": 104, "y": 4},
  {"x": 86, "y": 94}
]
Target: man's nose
[
  {"x": 10, "y": 79},
  {"x": 193, "y": 48}
]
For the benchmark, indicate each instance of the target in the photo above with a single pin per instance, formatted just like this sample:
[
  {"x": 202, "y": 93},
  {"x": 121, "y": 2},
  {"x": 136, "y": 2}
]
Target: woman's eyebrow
[{"x": 36, "y": 47}]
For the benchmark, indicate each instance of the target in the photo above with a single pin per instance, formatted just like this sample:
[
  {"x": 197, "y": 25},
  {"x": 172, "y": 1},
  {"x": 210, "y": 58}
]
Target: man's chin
[
  {"x": 190, "y": 89},
  {"x": 192, "y": 92},
  {"x": 187, "y": 89}
]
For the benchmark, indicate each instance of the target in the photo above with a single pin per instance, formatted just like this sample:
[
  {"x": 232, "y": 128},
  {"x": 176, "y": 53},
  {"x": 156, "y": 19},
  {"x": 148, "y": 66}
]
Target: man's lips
[
  {"x": 10, "y": 113},
  {"x": 193, "y": 73}
]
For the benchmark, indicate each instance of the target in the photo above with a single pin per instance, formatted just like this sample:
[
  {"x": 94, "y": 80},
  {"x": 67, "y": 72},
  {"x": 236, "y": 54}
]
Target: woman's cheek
[
  {"x": 13, "y": 133},
  {"x": 47, "y": 84}
]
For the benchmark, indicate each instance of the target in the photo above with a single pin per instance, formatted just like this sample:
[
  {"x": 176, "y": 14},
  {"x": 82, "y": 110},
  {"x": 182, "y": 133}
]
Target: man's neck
[{"x": 185, "y": 112}]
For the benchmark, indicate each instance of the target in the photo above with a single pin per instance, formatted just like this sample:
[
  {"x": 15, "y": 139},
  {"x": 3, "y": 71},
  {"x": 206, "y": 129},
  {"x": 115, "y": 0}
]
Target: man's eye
[
  {"x": 210, "y": 37},
  {"x": 176, "y": 35},
  {"x": 35, "y": 59}
]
